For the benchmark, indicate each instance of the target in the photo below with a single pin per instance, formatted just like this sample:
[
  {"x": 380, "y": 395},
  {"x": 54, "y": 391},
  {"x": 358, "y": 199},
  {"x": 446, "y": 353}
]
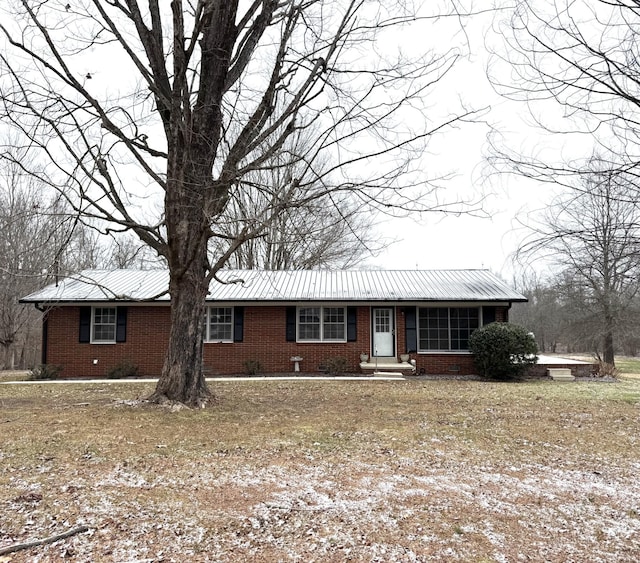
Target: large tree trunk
[
  {"x": 193, "y": 198},
  {"x": 190, "y": 192},
  {"x": 182, "y": 379}
]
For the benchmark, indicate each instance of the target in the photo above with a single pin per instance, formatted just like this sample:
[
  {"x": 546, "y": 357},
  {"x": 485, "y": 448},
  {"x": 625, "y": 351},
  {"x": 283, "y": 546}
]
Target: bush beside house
[{"x": 503, "y": 350}]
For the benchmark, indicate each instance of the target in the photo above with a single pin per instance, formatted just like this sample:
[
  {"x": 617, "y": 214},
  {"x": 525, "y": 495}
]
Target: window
[
  {"x": 219, "y": 324},
  {"x": 446, "y": 328},
  {"x": 309, "y": 323},
  {"x": 321, "y": 324},
  {"x": 103, "y": 325},
  {"x": 333, "y": 323}
]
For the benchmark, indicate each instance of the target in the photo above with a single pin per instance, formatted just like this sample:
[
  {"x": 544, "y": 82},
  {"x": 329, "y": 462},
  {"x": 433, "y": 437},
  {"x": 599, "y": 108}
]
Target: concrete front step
[
  {"x": 396, "y": 374},
  {"x": 386, "y": 367},
  {"x": 560, "y": 374}
]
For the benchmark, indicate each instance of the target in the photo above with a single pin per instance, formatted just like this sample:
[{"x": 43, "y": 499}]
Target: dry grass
[
  {"x": 325, "y": 471},
  {"x": 13, "y": 375}
]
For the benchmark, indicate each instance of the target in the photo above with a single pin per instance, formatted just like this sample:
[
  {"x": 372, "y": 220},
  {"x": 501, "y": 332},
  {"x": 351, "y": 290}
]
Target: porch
[
  {"x": 562, "y": 369},
  {"x": 387, "y": 367}
]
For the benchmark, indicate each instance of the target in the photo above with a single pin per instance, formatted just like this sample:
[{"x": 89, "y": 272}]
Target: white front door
[{"x": 383, "y": 332}]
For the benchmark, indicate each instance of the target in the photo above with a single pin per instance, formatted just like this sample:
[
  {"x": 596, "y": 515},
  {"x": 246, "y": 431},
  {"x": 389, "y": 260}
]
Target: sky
[
  {"x": 434, "y": 241},
  {"x": 510, "y": 202}
]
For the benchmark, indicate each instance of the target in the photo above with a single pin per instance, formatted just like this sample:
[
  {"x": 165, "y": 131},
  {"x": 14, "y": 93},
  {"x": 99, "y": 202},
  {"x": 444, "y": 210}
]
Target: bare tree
[
  {"x": 40, "y": 241},
  {"x": 575, "y": 66},
  {"x": 151, "y": 116},
  {"x": 311, "y": 236},
  {"x": 593, "y": 234},
  {"x": 334, "y": 230},
  {"x": 543, "y": 312},
  {"x": 574, "y": 63},
  {"x": 125, "y": 250}
]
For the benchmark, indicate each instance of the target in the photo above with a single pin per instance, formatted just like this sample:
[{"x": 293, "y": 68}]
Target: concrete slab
[{"x": 556, "y": 360}]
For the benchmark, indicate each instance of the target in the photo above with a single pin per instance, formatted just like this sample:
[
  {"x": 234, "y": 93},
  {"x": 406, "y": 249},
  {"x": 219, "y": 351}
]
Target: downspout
[{"x": 45, "y": 334}]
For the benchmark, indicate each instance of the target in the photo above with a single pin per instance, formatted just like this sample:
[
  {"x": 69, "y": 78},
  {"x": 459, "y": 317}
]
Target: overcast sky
[
  {"x": 463, "y": 241},
  {"x": 469, "y": 241}
]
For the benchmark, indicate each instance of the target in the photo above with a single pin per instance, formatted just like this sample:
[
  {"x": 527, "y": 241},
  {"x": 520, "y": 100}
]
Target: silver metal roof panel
[{"x": 288, "y": 285}]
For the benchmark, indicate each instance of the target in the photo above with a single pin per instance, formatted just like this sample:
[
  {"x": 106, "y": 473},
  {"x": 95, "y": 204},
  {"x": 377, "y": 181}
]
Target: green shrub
[
  {"x": 252, "y": 367},
  {"x": 45, "y": 371},
  {"x": 123, "y": 369},
  {"x": 503, "y": 350}
]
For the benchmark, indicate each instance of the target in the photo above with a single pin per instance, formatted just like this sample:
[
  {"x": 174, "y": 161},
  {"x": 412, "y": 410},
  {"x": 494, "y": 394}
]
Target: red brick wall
[
  {"x": 502, "y": 314},
  {"x": 147, "y": 337},
  {"x": 148, "y": 334},
  {"x": 444, "y": 364},
  {"x": 264, "y": 341}
]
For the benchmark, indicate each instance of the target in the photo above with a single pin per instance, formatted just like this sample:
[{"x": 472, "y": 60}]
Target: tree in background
[
  {"x": 124, "y": 250},
  {"x": 151, "y": 115},
  {"x": 580, "y": 56},
  {"x": 592, "y": 234},
  {"x": 543, "y": 313},
  {"x": 312, "y": 236},
  {"x": 318, "y": 233},
  {"x": 40, "y": 242}
]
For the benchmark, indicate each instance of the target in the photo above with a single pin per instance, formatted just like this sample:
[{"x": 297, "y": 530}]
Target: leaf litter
[{"x": 462, "y": 477}]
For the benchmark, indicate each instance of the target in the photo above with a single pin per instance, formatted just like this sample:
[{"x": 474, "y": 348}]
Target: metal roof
[{"x": 289, "y": 285}]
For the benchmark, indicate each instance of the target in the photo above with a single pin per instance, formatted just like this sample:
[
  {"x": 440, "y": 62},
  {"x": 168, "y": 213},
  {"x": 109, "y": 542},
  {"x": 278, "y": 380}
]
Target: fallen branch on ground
[{"x": 51, "y": 539}]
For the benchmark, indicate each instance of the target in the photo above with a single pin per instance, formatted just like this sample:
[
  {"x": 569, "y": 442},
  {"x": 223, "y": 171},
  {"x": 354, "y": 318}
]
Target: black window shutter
[
  {"x": 488, "y": 315},
  {"x": 45, "y": 337},
  {"x": 121, "y": 324},
  {"x": 85, "y": 325},
  {"x": 291, "y": 324},
  {"x": 238, "y": 324},
  {"x": 352, "y": 324},
  {"x": 410, "y": 330}
]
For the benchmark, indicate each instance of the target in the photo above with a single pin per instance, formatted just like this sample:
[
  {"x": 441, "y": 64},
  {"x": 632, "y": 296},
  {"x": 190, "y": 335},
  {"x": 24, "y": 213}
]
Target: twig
[
  {"x": 295, "y": 508},
  {"x": 51, "y": 539}
]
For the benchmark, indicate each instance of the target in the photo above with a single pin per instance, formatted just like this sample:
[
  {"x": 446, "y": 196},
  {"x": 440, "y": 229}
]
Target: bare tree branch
[{"x": 155, "y": 117}]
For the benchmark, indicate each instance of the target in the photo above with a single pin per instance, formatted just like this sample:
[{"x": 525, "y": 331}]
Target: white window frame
[
  {"x": 93, "y": 339},
  {"x": 322, "y": 323},
  {"x": 207, "y": 327},
  {"x": 448, "y": 350}
]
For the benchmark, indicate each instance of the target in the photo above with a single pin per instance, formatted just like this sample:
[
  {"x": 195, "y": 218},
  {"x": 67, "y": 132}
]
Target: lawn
[
  {"x": 13, "y": 375},
  {"x": 324, "y": 471},
  {"x": 628, "y": 365}
]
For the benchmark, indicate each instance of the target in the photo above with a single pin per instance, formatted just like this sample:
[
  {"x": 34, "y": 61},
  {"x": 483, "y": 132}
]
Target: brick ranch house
[{"x": 97, "y": 319}]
